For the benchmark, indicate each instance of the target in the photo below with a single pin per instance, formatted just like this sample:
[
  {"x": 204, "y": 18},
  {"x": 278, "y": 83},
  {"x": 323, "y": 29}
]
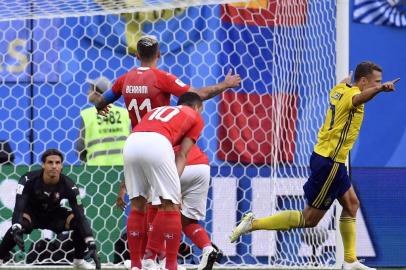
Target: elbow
[
  {"x": 356, "y": 101},
  {"x": 203, "y": 95}
]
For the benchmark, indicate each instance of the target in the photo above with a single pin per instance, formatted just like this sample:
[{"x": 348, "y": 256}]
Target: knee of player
[
  {"x": 311, "y": 222},
  {"x": 311, "y": 218},
  {"x": 168, "y": 205},
  {"x": 187, "y": 221},
  {"x": 356, "y": 204},
  {"x": 139, "y": 203},
  {"x": 353, "y": 207}
]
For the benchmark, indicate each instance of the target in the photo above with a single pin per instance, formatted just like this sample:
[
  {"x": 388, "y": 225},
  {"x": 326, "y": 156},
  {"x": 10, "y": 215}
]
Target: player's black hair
[
  {"x": 147, "y": 47},
  {"x": 365, "y": 69},
  {"x": 51, "y": 152},
  {"x": 190, "y": 99}
]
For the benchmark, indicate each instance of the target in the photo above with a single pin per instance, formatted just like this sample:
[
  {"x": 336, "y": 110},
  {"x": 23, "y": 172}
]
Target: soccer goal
[{"x": 258, "y": 138}]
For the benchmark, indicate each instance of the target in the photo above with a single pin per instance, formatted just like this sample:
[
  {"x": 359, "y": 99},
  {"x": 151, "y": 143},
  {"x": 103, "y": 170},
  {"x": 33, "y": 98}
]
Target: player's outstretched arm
[
  {"x": 370, "y": 93},
  {"x": 230, "y": 81}
]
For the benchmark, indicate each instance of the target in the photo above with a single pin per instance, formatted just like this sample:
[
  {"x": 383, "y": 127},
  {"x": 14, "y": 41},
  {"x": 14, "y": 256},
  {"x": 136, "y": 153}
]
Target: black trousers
[{"x": 55, "y": 221}]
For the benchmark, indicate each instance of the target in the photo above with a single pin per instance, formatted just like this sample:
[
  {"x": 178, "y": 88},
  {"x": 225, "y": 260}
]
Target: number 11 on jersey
[{"x": 146, "y": 104}]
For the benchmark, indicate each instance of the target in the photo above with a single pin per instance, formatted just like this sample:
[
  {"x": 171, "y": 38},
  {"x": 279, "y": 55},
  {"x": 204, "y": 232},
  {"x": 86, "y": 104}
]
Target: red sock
[
  {"x": 197, "y": 234},
  {"x": 151, "y": 213},
  {"x": 172, "y": 233},
  {"x": 166, "y": 228},
  {"x": 156, "y": 238},
  {"x": 135, "y": 234}
]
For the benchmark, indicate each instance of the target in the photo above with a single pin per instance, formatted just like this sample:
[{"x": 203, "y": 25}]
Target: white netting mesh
[
  {"x": 258, "y": 138},
  {"x": 39, "y": 9}
]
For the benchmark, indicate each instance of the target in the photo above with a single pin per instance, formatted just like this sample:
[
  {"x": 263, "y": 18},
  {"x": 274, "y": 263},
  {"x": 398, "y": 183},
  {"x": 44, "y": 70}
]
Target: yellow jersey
[{"x": 342, "y": 125}]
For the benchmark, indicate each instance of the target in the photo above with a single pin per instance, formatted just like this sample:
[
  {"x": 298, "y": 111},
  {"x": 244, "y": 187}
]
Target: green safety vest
[{"x": 105, "y": 136}]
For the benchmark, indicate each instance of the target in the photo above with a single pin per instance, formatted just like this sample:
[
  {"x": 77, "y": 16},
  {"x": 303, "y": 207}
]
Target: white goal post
[{"x": 258, "y": 138}]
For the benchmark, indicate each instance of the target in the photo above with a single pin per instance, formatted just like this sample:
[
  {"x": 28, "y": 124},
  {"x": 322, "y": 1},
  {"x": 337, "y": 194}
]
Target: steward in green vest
[{"x": 102, "y": 138}]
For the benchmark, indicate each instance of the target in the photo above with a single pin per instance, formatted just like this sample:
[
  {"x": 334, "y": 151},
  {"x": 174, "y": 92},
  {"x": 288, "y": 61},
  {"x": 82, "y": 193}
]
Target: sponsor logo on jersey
[
  {"x": 136, "y": 89},
  {"x": 337, "y": 95}
]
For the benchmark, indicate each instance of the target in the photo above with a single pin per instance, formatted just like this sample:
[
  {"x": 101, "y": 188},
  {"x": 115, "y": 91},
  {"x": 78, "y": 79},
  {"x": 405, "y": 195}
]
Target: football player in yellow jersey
[{"x": 329, "y": 178}]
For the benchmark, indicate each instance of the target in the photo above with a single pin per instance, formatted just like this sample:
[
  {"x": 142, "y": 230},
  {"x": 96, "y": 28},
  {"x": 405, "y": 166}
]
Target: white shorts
[
  {"x": 194, "y": 183},
  {"x": 149, "y": 164}
]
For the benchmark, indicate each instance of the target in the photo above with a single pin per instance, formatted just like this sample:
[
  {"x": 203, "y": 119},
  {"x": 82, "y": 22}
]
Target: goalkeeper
[{"x": 39, "y": 194}]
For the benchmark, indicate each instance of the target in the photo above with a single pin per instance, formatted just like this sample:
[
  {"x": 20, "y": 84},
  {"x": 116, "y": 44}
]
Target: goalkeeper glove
[
  {"x": 92, "y": 252},
  {"x": 17, "y": 232}
]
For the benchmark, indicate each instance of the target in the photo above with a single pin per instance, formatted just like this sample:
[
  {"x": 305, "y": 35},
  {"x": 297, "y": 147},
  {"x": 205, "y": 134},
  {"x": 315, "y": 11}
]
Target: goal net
[{"x": 258, "y": 137}]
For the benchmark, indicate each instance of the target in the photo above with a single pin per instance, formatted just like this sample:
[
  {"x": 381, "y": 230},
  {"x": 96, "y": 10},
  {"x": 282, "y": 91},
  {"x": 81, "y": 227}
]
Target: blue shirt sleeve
[{"x": 110, "y": 96}]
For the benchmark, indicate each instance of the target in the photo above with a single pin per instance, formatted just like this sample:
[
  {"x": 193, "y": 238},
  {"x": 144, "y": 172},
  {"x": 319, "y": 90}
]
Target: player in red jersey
[
  {"x": 152, "y": 169},
  {"x": 194, "y": 183},
  {"x": 147, "y": 87}
]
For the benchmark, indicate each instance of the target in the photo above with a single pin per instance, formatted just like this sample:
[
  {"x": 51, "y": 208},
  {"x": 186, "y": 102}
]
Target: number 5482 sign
[{"x": 113, "y": 117}]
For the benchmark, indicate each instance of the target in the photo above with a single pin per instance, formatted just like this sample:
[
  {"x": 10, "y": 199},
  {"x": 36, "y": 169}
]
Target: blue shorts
[{"x": 328, "y": 181}]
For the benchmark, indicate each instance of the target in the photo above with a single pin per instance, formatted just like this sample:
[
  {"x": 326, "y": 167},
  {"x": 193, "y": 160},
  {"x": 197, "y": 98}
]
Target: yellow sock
[
  {"x": 283, "y": 220},
  {"x": 348, "y": 234}
]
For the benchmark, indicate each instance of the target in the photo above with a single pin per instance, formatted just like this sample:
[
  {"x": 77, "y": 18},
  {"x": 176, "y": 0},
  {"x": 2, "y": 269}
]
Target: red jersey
[
  {"x": 195, "y": 156},
  {"x": 147, "y": 88},
  {"x": 174, "y": 122}
]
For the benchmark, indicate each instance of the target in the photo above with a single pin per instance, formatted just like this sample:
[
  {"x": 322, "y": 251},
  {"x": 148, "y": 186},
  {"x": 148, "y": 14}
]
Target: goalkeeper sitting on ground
[{"x": 39, "y": 194}]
